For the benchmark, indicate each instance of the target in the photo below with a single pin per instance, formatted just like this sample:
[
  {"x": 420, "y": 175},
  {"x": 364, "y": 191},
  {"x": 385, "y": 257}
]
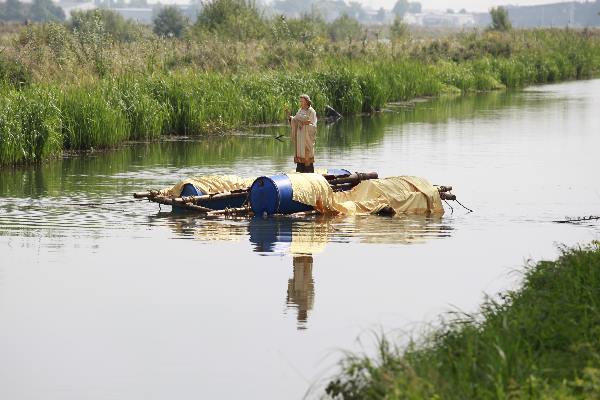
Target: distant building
[
  {"x": 70, "y": 6},
  {"x": 440, "y": 19},
  {"x": 573, "y": 14},
  {"x": 143, "y": 15}
]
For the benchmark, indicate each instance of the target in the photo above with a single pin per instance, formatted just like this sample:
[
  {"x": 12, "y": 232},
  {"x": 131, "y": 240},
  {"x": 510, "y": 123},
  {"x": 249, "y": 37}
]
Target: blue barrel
[
  {"x": 273, "y": 195},
  {"x": 191, "y": 190},
  {"x": 215, "y": 204}
]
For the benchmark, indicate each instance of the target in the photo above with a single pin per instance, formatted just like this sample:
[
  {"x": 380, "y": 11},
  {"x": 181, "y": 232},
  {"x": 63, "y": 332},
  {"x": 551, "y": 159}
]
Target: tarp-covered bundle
[
  {"x": 210, "y": 184},
  {"x": 304, "y": 191},
  {"x": 403, "y": 194}
]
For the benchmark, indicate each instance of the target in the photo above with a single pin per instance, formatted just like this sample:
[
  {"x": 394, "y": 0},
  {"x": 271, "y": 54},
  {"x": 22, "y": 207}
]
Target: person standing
[{"x": 304, "y": 130}]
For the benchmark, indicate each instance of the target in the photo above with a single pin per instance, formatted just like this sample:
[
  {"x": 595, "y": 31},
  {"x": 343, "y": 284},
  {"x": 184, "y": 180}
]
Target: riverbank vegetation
[
  {"x": 99, "y": 80},
  {"x": 539, "y": 342}
]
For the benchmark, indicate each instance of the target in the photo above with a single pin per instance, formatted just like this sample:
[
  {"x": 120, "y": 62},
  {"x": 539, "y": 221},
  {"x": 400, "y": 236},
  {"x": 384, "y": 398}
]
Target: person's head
[{"x": 305, "y": 101}]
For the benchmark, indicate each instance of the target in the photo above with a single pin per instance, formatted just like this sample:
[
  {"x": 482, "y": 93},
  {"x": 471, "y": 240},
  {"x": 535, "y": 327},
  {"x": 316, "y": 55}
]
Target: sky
[{"x": 470, "y": 5}]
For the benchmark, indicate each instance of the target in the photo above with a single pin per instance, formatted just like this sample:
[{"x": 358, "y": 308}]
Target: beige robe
[{"x": 303, "y": 136}]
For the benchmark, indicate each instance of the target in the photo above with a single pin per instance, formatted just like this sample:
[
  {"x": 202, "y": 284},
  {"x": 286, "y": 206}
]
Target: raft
[{"x": 333, "y": 191}]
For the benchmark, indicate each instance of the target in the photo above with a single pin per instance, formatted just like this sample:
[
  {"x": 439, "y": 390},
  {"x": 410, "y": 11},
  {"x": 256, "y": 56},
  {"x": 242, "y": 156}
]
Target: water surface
[{"x": 103, "y": 298}]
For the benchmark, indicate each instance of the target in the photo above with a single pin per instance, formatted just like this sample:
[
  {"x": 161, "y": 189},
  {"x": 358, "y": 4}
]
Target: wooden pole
[
  {"x": 195, "y": 199},
  {"x": 231, "y": 211},
  {"x": 447, "y": 196},
  {"x": 354, "y": 178},
  {"x": 172, "y": 202}
]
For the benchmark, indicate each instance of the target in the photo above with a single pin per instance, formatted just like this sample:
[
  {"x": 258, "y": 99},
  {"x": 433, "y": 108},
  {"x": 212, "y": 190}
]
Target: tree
[
  {"x": 415, "y": 7},
  {"x": 345, "y": 28},
  {"x": 355, "y": 10},
  {"x": 380, "y": 16},
  {"x": 46, "y": 10},
  {"x": 241, "y": 19},
  {"x": 12, "y": 10},
  {"x": 398, "y": 29},
  {"x": 401, "y": 8},
  {"x": 500, "y": 20},
  {"x": 307, "y": 27},
  {"x": 114, "y": 24},
  {"x": 170, "y": 22}
]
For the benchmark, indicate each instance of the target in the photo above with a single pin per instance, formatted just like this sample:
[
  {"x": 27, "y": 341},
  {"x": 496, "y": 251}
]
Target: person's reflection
[
  {"x": 301, "y": 238},
  {"x": 301, "y": 288},
  {"x": 305, "y": 237}
]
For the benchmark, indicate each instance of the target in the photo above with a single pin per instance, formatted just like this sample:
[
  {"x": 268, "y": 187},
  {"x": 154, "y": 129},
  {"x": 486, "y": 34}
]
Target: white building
[{"x": 439, "y": 19}]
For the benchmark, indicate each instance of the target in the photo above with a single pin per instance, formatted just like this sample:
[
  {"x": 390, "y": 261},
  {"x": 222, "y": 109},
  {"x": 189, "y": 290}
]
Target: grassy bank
[
  {"x": 541, "y": 341},
  {"x": 42, "y": 117}
]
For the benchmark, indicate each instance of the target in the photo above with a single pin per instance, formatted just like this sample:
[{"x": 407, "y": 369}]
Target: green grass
[
  {"x": 30, "y": 126},
  {"x": 539, "y": 342},
  {"x": 41, "y": 117},
  {"x": 147, "y": 117},
  {"x": 90, "y": 120}
]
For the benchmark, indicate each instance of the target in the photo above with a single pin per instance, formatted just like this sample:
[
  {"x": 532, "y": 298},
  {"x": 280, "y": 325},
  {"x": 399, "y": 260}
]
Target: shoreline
[
  {"x": 244, "y": 129},
  {"x": 538, "y": 341}
]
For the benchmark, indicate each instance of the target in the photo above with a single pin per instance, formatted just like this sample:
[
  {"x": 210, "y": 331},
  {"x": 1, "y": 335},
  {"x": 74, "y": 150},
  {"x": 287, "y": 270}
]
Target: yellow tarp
[
  {"x": 309, "y": 237},
  {"x": 404, "y": 194},
  {"x": 210, "y": 184}
]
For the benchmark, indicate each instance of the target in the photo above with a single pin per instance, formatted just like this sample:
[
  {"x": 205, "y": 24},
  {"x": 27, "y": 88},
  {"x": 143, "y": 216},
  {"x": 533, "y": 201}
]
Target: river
[{"x": 103, "y": 298}]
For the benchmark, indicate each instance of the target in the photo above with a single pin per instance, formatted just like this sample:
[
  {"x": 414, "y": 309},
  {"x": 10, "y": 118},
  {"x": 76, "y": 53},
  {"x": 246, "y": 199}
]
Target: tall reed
[
  {"x": 90, "y": 120},
  {"x": 30, "y": 125}
]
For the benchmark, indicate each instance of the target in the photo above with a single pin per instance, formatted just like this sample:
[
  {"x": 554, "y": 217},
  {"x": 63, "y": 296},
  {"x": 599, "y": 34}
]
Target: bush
[
  {"x": 170, "y": 22},
  {"x": 307, "y": 28},
  {"x": 500, "y": 20},
  {"x": 239, "y": 19},
  {"x": 13, "y": 73},
  {"x": 345, "y": 28},
  {"x": 113, "y": 24}
]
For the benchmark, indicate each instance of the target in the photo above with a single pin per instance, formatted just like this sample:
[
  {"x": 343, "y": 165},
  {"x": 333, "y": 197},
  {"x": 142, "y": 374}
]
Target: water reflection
[
  {"x": 282, "y": 234},
  {"x": 301, "y": 288},
  {"x": 301, "y": 238},
  {"x": 190, "y": 226},
  {"x": 289, "y": 235}
]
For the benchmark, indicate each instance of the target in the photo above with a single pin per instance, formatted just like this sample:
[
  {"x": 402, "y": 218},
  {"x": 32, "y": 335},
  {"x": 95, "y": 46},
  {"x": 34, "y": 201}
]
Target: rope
[
  {"x": 466, "y": 208},
  {"x": 102, "y": 204},
  {"x": 451, "y": 209}
]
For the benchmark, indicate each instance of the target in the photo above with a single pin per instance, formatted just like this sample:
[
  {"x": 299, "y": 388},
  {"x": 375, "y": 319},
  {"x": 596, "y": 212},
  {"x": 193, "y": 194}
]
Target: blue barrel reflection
[{"x": 272, "y": 235}]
